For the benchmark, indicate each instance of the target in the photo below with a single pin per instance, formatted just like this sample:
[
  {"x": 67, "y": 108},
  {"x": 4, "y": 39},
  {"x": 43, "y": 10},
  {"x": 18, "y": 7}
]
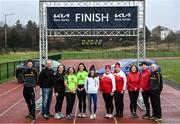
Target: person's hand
[
  {"x": 112, "y": 93},
  {"x": 122, "y": 91},
  {"x": 56, "y": 94},
  {"x": 141, "y": 90},
  {"x": 73, "y": 90},
  {"x": 135, "y": 88}
]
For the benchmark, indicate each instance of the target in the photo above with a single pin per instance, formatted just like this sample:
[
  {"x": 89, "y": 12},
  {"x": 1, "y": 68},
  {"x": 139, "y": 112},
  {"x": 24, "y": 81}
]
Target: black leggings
[
  {"x": 108, "y": 99},
  {"x": 70, "y": 99},
  {"x": 119, "y": 102},
  {"x": 82, "y": 99},
  {"x": 59, "y": 101},
  {"x": 133, "y": 95},
  {"x": 146, "y": 97},
  {"x": 29, "y": 96}
]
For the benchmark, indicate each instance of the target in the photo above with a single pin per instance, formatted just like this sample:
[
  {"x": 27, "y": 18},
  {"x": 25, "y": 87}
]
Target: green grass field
[
  {"x": 170, "y": 69},
  {"x": 18, "y": 56}
]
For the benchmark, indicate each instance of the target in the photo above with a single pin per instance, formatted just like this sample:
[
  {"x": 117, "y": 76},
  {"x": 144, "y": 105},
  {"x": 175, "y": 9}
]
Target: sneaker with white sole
[
  {"x": 61, "y": 115},
  {"x": 68, "y": 117},
  {"x": 106, "y": 116},
  {"x": 94, "y": 116},
  {"x": 158, "y": 120},
  {"x": 80, "y": 115},
  {"x": 57, "y": 116},
  {"x": 83, "y": 115},
  {"x": 111, "y": 116},
  {"x": 91, "y": 116}
]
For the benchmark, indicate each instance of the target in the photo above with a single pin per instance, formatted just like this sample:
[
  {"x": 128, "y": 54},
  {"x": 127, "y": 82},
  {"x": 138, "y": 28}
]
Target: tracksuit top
[
  {"x": 30, "y": 76},
  {"x": 144, "y": 84},
  {"x": 121, "y": 81},
  {"x": 156, "y": 82},
  {"x": 46, "y": 78},
  {"x": 91, "y": 85},
  {"x": 133, "y": 81},
  {"x": 107, "y": 83},
  {"x": 59, "y": 83},
  {"x": 81, "y": 77},
  {"x": 71, "y": 82}
]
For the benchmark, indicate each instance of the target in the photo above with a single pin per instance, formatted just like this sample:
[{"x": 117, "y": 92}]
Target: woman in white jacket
[{"x": 91, "y": 86}]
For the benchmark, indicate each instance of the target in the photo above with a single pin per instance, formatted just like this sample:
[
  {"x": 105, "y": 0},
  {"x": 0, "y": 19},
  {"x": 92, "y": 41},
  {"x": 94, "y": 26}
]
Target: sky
[{"x": 158, "y": 12}]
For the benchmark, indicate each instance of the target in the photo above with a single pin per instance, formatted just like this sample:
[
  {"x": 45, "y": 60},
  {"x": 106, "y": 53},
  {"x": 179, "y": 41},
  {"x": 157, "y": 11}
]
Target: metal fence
[
  {"x": 8, "y": 69},
  {"x": 114, "y": 54}
]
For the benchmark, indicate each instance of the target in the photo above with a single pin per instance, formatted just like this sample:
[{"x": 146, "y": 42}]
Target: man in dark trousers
[
  {"x": 30, "y": 76},
  {"x": 156, "y": 86},
  {"x": 144, "y": 88},
  {"x": 46, "y": 81}
]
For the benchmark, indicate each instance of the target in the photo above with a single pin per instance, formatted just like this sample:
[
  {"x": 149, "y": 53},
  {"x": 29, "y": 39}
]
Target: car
[
  {"x": 126, "y": 64},
  {"x": 22, "y": 66}
]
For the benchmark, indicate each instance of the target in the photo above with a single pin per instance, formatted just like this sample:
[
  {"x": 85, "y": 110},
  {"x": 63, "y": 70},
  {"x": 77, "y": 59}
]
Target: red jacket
[
  {"x": 144, "y": 84},
  {"x": 119, "y": 83},
  {"x": 106, "y": 84},
  {"x": 133, "y": 81}
]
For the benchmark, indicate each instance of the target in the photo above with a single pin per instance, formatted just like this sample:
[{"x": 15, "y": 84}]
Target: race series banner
[{"x": 91, "y": 17}]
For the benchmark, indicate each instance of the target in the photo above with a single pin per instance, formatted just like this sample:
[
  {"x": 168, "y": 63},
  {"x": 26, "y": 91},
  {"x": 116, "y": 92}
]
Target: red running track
[{"x": 13, "y": 108}]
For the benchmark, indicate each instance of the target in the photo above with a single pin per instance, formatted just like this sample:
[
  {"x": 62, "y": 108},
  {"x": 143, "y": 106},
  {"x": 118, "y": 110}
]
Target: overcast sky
[{"x": 158, "y": 12}]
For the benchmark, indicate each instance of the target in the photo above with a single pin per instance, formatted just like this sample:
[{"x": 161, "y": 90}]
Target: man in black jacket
[
  {"x": 156, "y": 86},
  {"x": 46, "y": 80},
  {"x": 30, "y": 76}
]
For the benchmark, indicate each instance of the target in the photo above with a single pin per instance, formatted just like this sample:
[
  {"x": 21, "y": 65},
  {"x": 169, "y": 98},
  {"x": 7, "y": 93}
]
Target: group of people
[{"x": 69, "y": 82}]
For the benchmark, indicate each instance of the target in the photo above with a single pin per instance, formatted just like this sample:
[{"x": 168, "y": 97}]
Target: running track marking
[
  {"x": 36, "y": 118},
  {"x": 11, "y": 107},
  {"x": 10, "y": 90},
  {"x": 75, "y": 113},
  {"x": 171, "y": 102},
  {"x": 115, "y": 120}
]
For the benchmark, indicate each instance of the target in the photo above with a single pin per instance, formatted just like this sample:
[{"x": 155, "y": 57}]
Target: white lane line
[
  {"x": 115, "y": 120},
  {"x": 10, "y": 90},
  {"x": 75, "y": 116},
  {"x": 36, "y": 117},
  {"x": 170, "y": 102},
  {"x": 11, "y": 107}
]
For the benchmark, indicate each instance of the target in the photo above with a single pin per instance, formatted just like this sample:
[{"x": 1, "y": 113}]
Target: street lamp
[{"x": 5, "y": 40}]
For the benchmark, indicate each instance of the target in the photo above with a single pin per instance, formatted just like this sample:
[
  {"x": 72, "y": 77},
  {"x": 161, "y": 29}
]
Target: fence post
[
  {"x": 14, "y": 68},
  {"x": 0, "y": 71},
  {"x": 7, "y": 70}
]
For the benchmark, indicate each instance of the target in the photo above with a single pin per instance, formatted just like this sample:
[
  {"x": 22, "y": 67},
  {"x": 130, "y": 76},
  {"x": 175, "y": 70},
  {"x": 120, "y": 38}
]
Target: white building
[{"x": 164, "y": 33}]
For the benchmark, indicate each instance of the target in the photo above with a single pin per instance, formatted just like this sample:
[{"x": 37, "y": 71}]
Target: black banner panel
[{"x": 91, "y": 17}]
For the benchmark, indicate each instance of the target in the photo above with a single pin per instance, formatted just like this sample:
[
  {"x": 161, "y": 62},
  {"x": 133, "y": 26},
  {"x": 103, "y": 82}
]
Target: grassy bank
[{"x": 170, "y": 69}]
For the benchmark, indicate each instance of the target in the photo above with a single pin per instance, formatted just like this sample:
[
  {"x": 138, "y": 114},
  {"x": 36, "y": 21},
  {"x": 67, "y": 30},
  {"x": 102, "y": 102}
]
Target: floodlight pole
[{"x": 5, "y": 33}]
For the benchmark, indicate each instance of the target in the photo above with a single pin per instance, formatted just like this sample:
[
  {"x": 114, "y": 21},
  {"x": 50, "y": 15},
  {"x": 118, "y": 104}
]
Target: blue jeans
[
  {"x": 46, "y": 100},
  {"x": 94, "y": 98}
]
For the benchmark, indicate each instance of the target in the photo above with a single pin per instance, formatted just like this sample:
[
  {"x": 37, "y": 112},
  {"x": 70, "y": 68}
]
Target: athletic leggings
[
  {"x": 146, "y": 97},
  {"x": 82, "y": 99},
  {"x": 59, "y": 101},
  {"x": 70, "y": 99},
  {"x": 133, "y": 95},
  {"x": 108, "y": 99},
  {"x": 119, "y": 102}
]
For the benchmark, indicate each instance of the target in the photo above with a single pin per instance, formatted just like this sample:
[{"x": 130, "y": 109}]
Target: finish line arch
[{"x": 46, "y": 30}]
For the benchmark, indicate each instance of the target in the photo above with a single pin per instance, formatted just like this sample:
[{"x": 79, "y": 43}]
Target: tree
[{"x": 148, "y": 33}]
